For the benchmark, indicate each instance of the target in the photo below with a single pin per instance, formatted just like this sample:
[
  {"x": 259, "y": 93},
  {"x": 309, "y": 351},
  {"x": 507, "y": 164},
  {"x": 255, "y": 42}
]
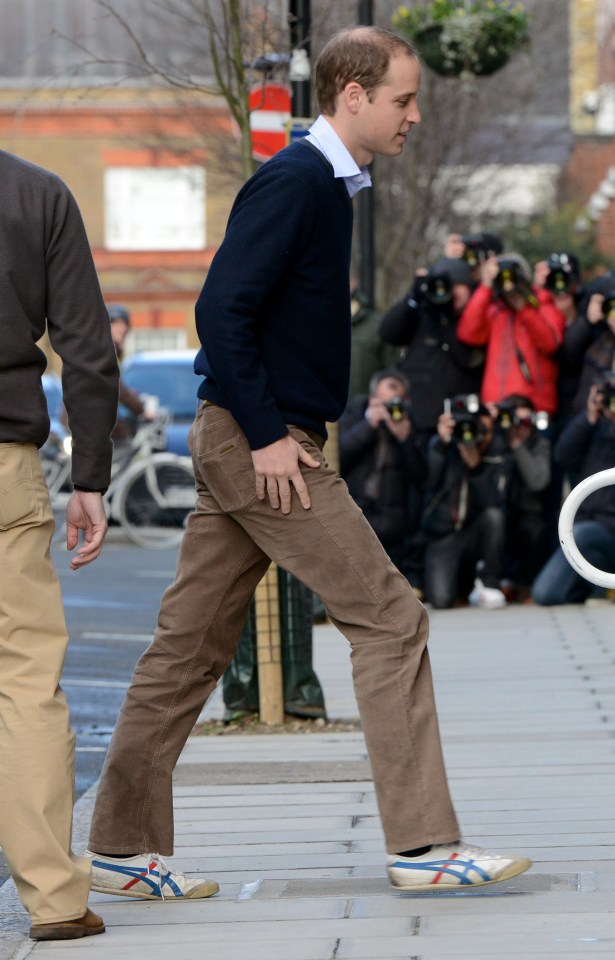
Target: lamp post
[
  {"x": 299, "y": 21},
  {"x": 367, "y": 269}
]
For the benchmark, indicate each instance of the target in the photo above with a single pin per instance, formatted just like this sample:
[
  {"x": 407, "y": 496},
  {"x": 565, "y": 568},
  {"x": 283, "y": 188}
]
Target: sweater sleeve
[
  {"x": 356, "y": 435},
  {"x": 273, "y": 217},
  {"x": 534, "y": 464},
  {"x": 80, "y": 332},
  {"x": 577, "y": 338},
  {"x": 573, "y": 442}
]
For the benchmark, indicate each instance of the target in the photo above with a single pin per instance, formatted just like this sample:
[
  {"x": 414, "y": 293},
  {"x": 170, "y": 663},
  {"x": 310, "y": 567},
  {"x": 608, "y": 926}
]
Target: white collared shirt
[{"x": 322, "y": 135}]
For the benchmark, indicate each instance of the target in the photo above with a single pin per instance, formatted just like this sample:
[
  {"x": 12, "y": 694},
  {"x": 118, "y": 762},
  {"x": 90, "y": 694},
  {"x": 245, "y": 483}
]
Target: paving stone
[{"x": 290, "y": 829}]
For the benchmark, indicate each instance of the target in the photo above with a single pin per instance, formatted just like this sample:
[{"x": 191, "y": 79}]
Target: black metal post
[
  {"x": 299, "y": 20},
  {"x": 366, "y": 258}
]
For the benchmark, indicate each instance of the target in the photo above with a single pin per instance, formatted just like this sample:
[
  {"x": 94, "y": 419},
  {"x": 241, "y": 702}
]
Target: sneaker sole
[
  {"x": 520, "y": 866},
  {"x": 204, "y": 891}
]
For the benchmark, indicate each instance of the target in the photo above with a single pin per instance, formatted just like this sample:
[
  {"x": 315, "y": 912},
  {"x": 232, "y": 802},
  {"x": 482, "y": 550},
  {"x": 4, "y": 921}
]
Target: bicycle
[{"x": 151, "y": 493}]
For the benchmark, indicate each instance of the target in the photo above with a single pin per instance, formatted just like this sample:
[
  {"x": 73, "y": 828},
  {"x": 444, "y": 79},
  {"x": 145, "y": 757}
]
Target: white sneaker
[
  {"x": 453, "y": 866},
  {"x": 487, "y": 598},
  {"x": 145, "y": 877}
]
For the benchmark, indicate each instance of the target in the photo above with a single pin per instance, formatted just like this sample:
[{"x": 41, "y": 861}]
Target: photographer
[
  {"x": 522, "y": 330},
  {"x": 436, "y": 363},
  {"x": 527, "y": 546},
  {"x": 381, "y": 461},
  {"x": 560, "y": 274},
  {"x": 586, "y": 446},
  {"x": 600, "y": 355},
  {"x": 464, "y": 518}
]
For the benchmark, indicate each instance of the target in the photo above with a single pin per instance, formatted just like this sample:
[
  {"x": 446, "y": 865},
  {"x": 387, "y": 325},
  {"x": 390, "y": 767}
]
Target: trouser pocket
[
  {"x": 224, "y": 460},
  {"x": 18, "y": 496}
]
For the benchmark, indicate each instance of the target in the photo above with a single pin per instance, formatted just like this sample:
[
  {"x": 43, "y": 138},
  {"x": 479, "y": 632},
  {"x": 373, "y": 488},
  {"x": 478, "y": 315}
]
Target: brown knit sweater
[{"x": 47, "y": 278}]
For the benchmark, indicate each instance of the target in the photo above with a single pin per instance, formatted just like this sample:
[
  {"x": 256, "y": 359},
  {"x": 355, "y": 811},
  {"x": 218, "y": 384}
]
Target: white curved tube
[{"x": 566, "y": 520}]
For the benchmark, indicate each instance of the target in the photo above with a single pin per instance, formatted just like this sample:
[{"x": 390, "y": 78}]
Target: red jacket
[{"x": 520, "y": 346}]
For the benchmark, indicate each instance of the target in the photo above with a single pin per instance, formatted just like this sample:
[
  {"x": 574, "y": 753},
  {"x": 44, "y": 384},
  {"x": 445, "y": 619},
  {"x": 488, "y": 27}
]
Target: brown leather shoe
[{"x": 86, "y": 926}]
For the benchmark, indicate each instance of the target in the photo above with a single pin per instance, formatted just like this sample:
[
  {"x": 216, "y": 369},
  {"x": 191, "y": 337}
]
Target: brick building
[
  {"x": 589, "y": 175},
  {"x": 154, "y": 170}
]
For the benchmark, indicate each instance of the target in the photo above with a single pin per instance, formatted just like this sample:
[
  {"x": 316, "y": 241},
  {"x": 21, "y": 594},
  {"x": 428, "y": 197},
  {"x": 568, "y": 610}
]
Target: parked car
[{"x": 168, "y": 375}]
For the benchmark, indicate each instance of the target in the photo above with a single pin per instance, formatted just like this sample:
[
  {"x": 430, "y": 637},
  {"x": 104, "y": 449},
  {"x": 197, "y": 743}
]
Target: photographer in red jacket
[{"x": 522, "y": 330}]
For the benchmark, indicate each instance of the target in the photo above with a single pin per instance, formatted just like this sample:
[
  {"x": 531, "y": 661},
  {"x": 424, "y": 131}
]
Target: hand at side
[{"x": 277, "y": 467}]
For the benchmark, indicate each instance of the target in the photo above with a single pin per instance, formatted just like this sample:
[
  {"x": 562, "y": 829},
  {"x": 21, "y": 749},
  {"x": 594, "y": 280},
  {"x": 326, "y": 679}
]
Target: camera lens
[{"x": 438, "y": 289}]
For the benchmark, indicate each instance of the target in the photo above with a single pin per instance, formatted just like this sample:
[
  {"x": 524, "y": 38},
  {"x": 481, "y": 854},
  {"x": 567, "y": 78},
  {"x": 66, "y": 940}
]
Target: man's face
[
  {"x": 461, "y": 295},
  {"x": 119, "y": 331},
  {"x": 385, "y": 118}
]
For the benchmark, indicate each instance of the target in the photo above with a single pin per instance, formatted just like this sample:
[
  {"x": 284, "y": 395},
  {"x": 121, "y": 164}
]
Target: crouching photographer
[
  {"x": 424, "y": 323},
  {"x": 527, "y": 541},
  {"x": 381, "y": 462},
  {"x": 464, "y": 519},
  {"x": 585, "y": 446}
]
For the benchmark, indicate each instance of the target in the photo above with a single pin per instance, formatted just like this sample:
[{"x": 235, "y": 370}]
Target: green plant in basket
[{"x": 453, "y": 36}]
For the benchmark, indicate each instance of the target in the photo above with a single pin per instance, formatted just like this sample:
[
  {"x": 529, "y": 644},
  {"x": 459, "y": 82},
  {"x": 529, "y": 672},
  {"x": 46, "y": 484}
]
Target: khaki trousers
[
  {"x": 226, "y": 550},
  {"x": 37, "y": 754}
]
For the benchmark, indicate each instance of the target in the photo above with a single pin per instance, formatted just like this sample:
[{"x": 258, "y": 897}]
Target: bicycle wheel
[{"x": 155, "y": 500}]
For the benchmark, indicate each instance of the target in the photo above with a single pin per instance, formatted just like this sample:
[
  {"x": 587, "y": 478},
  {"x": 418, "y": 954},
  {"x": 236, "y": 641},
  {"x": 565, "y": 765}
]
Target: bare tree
[{"x": 197, "y": 48}]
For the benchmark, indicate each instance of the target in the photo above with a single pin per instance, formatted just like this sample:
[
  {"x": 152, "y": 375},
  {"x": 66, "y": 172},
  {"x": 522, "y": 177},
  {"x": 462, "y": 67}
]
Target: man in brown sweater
[{"x": 47, "y": 281}]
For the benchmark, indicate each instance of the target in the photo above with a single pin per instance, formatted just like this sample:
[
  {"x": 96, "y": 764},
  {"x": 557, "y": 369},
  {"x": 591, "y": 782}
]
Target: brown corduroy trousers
[{"x": 229, "y": 541}]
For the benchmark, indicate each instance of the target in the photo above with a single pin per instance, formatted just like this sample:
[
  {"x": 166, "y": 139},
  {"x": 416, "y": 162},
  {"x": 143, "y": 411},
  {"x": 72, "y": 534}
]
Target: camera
[
  {"x": 507, "y": 418},
  {"x": 436, "y": 288},
  {"x": 465, "y": 411},
  {"x": 606, "y": 387},
  {"x": 608, "y": 305},
  {"x": 478, "y": 246},
  {"x": 563, "y": 273},
  {"x": 397, "y": 408},
  {"x": 511, "y": 279}
]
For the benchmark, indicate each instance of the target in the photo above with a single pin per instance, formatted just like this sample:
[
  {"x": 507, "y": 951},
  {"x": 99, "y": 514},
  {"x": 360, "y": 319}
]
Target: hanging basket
[
  {"x": 465, "y": 36},
  {"x": 451, "y": 60}
]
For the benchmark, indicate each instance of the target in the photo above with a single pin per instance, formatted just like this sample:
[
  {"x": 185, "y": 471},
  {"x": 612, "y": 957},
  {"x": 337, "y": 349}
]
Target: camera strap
[
  {"x": 462, "y": 502},
  {"x": 525, "y": 370}
]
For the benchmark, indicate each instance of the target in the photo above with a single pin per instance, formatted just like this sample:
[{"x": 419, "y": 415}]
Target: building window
[
  {"x": 155, "y": 208},
  {"x": 155, "y": 338}
]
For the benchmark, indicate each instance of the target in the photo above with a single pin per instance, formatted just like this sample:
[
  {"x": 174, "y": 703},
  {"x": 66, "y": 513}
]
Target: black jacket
[
  {"x": 584, "y": 448},
  {"x": 385, "y": 477},
  {"x": 457, "y": 495},
  {"x": 437, "y": 364}
]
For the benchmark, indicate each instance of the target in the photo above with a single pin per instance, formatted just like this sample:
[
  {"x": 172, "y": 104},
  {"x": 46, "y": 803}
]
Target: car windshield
[{"x": 175, "y": 384}]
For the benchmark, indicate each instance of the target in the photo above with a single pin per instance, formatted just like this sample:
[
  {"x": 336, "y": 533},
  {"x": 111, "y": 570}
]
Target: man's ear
[{"x": 352, "y": 95}]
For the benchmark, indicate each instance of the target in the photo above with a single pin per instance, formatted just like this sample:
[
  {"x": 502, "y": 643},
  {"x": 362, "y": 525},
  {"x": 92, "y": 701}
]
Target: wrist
[{"x": 81, "y": 489}]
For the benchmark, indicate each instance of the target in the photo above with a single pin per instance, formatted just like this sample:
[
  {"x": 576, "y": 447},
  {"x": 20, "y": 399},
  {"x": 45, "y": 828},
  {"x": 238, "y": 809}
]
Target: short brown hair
[{"x": 357, "y": 54}]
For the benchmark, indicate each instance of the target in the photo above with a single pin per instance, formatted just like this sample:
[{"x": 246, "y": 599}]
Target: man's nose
[{"x": 414, "y": 114}]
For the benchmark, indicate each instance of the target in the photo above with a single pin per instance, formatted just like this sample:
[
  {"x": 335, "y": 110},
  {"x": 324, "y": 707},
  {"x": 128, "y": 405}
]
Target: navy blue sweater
[{"x": 273, "y": 317}]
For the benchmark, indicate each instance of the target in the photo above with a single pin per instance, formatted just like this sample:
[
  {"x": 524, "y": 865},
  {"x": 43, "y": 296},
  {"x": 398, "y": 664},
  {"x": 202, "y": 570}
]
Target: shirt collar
[{"x": 322, "y": 135}]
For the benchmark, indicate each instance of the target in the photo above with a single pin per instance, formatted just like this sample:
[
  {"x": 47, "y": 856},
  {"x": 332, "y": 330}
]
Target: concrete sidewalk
[{"x": 288, "y": 824}]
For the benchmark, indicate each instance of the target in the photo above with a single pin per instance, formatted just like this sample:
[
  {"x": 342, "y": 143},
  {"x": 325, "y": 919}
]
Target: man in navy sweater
[{"x": 274, "y": 321}]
